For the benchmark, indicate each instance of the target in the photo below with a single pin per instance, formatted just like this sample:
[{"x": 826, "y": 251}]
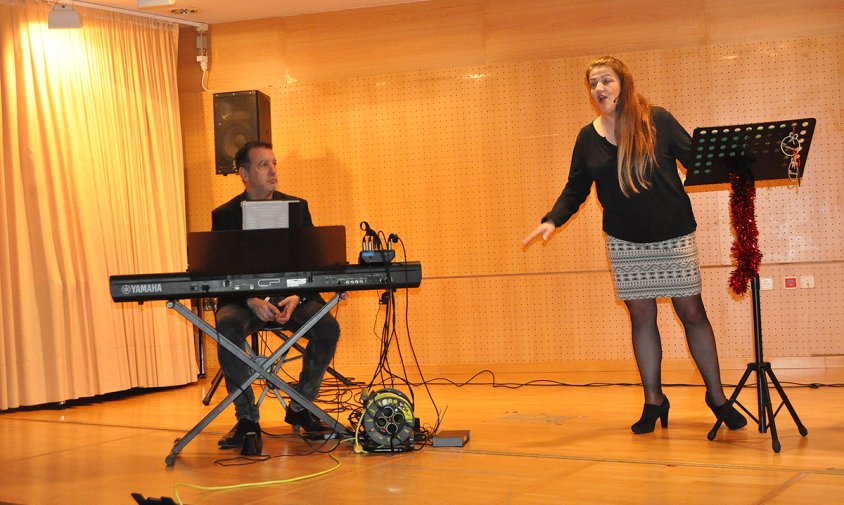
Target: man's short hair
[{"x": 241, "y": 159}]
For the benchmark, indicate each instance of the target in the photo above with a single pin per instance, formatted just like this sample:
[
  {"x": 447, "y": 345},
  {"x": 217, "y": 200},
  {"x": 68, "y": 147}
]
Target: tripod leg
[
  {"x": 215, "y": 383},
  {"x": 183, "y": 441},
  {"x": 761, "y": 395},
  {"x": 802, "y": 429},
  {"x": 765, "y": 400},
  {"x": 736, "y": 391},
  {"x": 268, "y": 386}
]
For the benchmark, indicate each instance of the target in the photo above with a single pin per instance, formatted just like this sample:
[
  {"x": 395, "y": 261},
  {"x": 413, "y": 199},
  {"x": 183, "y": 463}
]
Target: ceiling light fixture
[
  {"x": 63, "y": 16},
  {"x": 146, "y": 4}
]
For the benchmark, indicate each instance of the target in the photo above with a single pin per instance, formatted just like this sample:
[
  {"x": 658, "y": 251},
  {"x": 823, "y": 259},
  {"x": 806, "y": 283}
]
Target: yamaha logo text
[{"x": 140, "y": 289}]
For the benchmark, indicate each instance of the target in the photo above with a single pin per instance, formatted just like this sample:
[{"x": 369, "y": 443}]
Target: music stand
[{"x": 755, "y": 151}]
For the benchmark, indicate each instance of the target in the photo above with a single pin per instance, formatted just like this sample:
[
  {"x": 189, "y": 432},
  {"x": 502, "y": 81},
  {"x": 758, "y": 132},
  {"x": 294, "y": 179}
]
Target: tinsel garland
[{"x": 746, "y": 254}]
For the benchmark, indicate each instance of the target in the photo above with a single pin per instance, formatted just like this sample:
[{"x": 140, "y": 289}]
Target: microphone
[{"x": 370, "y": 240}]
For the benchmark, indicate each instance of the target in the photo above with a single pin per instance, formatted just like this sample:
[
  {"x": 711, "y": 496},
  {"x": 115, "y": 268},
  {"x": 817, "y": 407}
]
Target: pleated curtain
[{"x": 91, "y": 185}]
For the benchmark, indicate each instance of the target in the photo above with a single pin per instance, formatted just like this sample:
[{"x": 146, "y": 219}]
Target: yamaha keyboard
[{"x": 174, "y": 286}]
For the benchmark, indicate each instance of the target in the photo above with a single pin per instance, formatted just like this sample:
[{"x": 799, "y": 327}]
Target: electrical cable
[
  {"x": 256, "y": 484},
  {"x": 555, "y": 383},
  {"x": 389, "y": 339}
]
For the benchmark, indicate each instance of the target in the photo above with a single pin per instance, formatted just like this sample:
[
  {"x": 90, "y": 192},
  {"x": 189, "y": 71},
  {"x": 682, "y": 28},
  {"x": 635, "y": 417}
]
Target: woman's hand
[{"x": 545, "y": 229}]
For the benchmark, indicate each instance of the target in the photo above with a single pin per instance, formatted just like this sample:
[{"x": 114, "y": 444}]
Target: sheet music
[{"x": 264, "y": 214}]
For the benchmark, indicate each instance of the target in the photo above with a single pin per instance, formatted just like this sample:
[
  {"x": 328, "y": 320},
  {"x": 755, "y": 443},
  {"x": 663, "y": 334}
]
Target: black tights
[{"x": 647, "y": 346}]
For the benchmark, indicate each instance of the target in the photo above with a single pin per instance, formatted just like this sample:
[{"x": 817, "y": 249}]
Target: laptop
[{"x": 267, "y": 251}]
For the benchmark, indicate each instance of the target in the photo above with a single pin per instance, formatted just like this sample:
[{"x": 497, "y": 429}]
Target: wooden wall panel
[
  {"x": 441, "y": 34},
  {"x": 424, "y": 35},
  {"x": 574, "y": 317},
  {"x": 461, "y": 162},
  {"x": 550, "y": 28},
  {"x": 247, "y": 55},
  {"x": 729, "y": 21},
  {"x": 403, "y": 146},
  {"x": 746, "y": 83}
]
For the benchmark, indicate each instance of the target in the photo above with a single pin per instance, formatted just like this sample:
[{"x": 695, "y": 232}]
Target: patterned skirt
[{"x": 670, "y": 268}]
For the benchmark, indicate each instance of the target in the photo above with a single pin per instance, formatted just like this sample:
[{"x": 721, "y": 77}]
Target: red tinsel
[{"x": 746, "y": 254}]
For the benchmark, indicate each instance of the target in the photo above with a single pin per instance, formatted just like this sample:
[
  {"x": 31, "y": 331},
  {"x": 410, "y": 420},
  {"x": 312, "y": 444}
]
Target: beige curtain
[{"x": 91, "y": 185}]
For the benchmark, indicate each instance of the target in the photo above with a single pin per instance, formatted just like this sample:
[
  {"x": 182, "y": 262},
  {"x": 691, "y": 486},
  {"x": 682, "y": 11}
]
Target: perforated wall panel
[{"x": 462, "y": 163}]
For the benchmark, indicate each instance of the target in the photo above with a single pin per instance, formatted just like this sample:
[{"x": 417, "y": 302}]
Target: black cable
[
  {"x": 413, "y": 349},
  {"x": 251, "y": 460},
  {"x": 556, "y": 383},
  {"x": 389, "y": 338}
]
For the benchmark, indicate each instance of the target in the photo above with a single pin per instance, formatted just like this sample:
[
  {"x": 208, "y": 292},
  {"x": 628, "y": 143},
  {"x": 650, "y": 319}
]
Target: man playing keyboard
[{"x": 238, "y": 318}]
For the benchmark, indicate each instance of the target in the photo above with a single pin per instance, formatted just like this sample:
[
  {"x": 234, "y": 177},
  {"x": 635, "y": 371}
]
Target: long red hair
[{"x": 634, "y": 130}]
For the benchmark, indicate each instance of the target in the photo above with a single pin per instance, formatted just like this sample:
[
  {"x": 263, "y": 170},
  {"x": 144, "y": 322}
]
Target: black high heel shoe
[
  {"x": 732, "y": 418},
  {"x": 650, "y": 413}
]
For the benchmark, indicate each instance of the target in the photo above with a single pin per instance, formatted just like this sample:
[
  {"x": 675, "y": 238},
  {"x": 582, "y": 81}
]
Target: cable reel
[{"x": 387, "y": 421}]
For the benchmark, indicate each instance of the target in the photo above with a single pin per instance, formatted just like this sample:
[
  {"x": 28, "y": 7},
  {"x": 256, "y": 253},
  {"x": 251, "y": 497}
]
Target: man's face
[{"x": 261, "y": 178}]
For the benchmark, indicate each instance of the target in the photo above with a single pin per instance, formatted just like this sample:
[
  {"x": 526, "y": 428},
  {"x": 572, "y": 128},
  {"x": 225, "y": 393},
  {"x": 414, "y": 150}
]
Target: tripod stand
[
  {"x": 764, "y": 151},
  {"x": 763, "y": 396}
]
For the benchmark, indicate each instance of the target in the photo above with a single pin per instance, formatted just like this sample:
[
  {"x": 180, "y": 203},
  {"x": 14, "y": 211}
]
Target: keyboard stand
[{"x": 262, "y": 368}]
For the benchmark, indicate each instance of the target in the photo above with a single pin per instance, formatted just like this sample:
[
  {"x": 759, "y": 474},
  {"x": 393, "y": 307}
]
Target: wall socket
[
  {"x": 766, "y": 283},
  {"x": 807, "y": 282}
]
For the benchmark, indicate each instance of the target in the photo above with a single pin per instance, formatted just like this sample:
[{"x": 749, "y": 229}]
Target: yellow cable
[
  {"x": 359, "y": 448},
  {"x": 254, "y": 484}
]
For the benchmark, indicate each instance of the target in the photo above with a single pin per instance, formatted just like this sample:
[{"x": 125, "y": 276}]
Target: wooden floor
[{"x": 532, "y": 445}]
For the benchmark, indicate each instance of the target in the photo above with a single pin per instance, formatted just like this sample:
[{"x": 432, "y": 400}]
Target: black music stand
[{"x": 755, "y": 151}]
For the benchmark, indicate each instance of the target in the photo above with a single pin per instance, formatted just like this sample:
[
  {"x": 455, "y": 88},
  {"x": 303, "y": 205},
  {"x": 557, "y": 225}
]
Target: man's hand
[
  {"x": 267, "y": 312},
  {"x": 545, "y": 229},
  {"x": 286, "y": 308}
]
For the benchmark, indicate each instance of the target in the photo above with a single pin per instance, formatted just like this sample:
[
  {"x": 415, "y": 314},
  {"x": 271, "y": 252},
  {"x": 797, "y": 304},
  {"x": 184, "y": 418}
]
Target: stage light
[{"x": 63, "y": 16}]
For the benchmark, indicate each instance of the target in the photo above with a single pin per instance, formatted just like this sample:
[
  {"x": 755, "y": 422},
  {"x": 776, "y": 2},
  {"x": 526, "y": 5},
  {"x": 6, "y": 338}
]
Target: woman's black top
[{"x": 661, "y": 212}]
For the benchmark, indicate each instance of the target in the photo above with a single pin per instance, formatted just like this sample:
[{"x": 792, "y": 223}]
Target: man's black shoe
[
  {"x": 305, "y": 420},
  {"x": 234, "y": 438}
]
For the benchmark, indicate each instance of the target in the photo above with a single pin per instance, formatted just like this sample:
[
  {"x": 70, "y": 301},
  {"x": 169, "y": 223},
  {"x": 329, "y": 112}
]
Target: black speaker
[{"x": 239, "y": 117}]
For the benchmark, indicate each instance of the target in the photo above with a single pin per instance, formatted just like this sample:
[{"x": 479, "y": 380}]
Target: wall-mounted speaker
[{"x": 239, "y": 117}]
